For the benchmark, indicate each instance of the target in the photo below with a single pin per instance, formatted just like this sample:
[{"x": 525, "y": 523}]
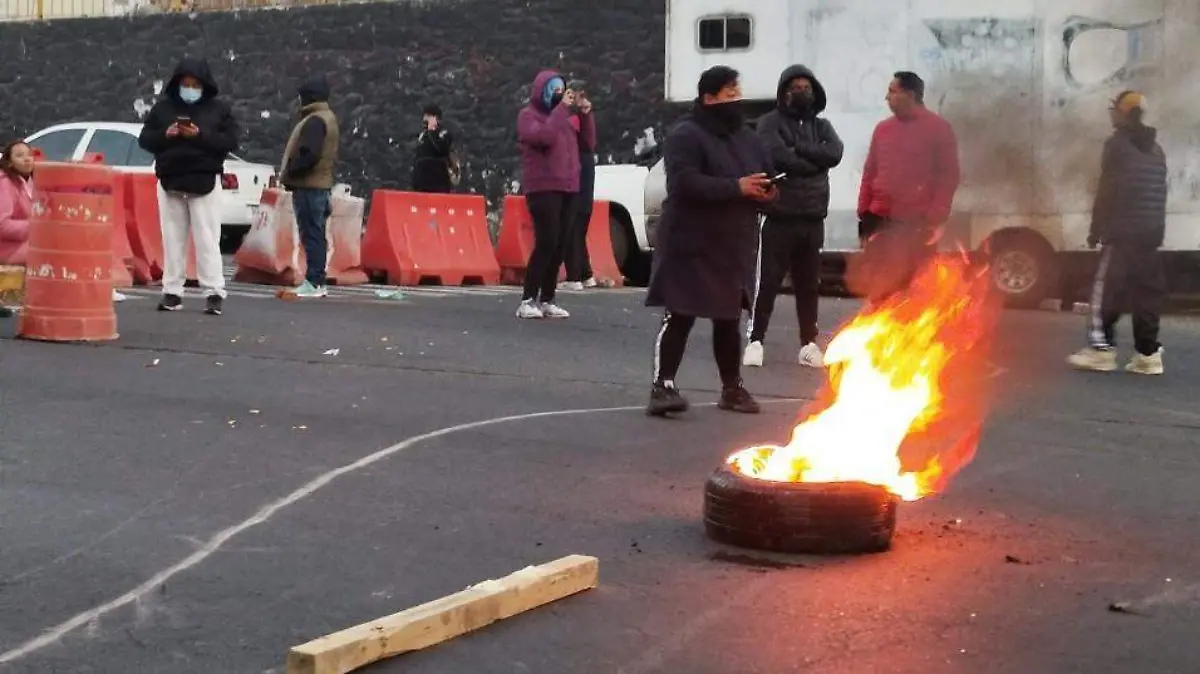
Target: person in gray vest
[{"x": 307, "y": 171}]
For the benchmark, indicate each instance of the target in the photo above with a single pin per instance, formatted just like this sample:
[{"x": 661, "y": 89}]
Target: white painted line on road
[{"x": 218, "y": 540}]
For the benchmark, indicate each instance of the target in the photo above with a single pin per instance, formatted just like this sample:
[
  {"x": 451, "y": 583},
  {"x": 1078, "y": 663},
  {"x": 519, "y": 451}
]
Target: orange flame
[{"x": 888, "y": 371}]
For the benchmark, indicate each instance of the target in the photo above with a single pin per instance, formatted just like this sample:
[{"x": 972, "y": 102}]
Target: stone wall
[{"x": 475, "y": 58}]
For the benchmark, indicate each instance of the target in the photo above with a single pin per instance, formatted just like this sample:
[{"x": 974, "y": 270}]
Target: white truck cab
[{"x": 1026, "y": 84}]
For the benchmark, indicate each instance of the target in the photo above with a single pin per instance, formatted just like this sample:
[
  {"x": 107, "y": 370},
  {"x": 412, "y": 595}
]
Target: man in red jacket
[{"x": 907, "y": 190}]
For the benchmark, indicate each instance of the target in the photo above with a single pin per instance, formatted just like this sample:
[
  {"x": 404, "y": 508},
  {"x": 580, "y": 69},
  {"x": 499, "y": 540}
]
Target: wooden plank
[{"x": 443, "y": 619}]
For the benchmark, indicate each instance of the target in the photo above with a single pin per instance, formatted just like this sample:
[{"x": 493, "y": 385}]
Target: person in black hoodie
[
  {"x": 432, "y": 159},
  {"x": 805, "y": 147},
  {"x": 190, "y": 132},
  {"x": 1129, "y": 220},
  {"x": 717, "y": 180}
]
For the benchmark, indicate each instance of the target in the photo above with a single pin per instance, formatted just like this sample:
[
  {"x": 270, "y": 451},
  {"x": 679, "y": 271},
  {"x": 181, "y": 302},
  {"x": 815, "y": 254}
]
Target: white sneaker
[
  {"x": 307, "y": 290},
  {"x": 552, "y": 310},
  {"x": 1140, "y": 364},
  {"x": 753, "y": 357},
  {"x": 811, "y": 356},
  {"x": 529, "y": 309},
  {"x": 590, "y": 283},
  {"x": 119, "y": 297},
  {"x": 1095, "y": 360},
  {"x": 570, "y": 285}
]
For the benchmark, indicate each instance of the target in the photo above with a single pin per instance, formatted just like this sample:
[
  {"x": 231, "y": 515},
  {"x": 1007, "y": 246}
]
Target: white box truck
[{"x": 1026, "y": 84}]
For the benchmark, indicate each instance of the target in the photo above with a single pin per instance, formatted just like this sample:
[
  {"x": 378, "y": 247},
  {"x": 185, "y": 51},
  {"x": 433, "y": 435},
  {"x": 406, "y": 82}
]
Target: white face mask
[{"x": 190, "y": 94}]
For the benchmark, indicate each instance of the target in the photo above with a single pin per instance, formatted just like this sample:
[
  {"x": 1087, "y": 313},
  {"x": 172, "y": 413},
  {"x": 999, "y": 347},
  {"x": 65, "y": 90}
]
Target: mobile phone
[
  {"x": 775, "y": 180},
  {"x": 185, "y": 121}
]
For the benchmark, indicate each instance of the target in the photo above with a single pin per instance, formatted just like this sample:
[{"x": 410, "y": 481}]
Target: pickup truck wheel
[{"x": 634, "y": 264}]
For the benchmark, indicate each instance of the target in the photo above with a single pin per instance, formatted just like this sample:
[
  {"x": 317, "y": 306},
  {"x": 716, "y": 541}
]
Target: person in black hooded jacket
[
  {"x": 804, "y": 146},
  {"x": 190, "y": 132},
  {"x": 1129, "y": 221}
]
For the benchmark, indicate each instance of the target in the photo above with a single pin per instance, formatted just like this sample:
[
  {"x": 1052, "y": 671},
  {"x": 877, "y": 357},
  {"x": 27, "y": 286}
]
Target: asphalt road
[{"x": 150, "y": 519}]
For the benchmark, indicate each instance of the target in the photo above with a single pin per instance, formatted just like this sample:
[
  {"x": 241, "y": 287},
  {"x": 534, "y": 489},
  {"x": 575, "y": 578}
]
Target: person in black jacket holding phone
[
  {"x": 803, "y": 147},
  {"x": 717, "y": 180},
  {"x": 190, "y": 132}
]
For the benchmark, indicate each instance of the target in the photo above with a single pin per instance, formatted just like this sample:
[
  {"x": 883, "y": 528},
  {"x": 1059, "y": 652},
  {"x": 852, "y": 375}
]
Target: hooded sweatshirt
[
  {"x": 1131, "y": 201},
  {"x": 311, "y": 153},
  {"x": 190, "y": 165},
  {"x": 804, "y": 146},
  {"x": 16, "y": 207},
  {"x": 548, "y": 142}
]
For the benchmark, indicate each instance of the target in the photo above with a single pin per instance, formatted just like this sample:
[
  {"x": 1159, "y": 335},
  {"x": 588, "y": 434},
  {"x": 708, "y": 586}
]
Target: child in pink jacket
[{"x": 16, "y": 201}]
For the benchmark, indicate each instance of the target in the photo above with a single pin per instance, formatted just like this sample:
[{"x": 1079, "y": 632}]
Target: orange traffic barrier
[
  {"x": 145, "y": 229},
  {"x": 139, "y": 265},
  {"x": 272, "y": 252},
  {"x": 68, "y": 280},
  {"x": 345, "y": 233},
  {"x": 140, "y": 192},
  {"x": 126, "y": 269},
  {"x": 417, "y": 238},
  {"x": 516, "y": 240},
  {"x": 599, "y": 246}
]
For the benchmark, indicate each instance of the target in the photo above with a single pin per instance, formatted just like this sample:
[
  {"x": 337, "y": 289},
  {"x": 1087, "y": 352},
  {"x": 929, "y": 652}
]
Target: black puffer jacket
[
  {"x": 190, "y": 165},
  {"x": 1131, "y": 201},
  {"x": 804, "y": 146}
]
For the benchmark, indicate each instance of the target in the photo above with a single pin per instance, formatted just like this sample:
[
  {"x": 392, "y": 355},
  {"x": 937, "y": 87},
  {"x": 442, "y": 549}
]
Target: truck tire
[
  {"x": 798, "y": 517},
  {"x": 634, "y": 264},
  {"x": 1023, "y": 270}
]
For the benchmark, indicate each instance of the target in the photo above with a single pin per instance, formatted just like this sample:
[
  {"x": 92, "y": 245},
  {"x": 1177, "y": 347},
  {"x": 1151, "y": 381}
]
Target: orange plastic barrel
[{"x": 68, "y": 272}]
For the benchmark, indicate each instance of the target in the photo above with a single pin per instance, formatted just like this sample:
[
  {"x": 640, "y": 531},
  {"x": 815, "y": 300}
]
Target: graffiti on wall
[
  {"x": 1099, "y": 53},
  {"x": 1000, "y": 47}
]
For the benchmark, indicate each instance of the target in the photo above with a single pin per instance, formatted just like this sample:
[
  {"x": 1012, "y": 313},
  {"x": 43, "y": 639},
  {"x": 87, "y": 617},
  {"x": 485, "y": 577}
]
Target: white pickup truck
[{"x": 636, "y": 193}]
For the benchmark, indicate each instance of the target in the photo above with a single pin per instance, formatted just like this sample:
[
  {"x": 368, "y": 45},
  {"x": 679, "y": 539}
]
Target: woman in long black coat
[{"x": 704, "y": 259}]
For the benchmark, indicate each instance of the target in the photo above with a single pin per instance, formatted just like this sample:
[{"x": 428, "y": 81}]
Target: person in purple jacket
[{"x": 547, "y": 133}]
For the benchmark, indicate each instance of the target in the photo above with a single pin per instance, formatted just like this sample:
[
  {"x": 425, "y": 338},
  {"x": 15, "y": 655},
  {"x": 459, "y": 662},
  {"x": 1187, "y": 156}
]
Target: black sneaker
[
  {"x": 666, "y": 400},
  {"x": 213, "y": 306},
  {"x": 5, "y": 312},
  {"x": 738, "y": 399},
  {"x": 170, "y": 303}
]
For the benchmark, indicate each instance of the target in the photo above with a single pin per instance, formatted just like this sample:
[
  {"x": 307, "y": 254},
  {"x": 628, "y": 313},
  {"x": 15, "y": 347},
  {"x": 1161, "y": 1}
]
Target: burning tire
[{"x": 798, "y": 517}]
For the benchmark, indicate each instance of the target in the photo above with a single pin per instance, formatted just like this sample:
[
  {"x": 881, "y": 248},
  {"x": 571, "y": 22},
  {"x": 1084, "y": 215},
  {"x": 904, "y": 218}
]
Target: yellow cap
[{"x": 1128, "y": 101}]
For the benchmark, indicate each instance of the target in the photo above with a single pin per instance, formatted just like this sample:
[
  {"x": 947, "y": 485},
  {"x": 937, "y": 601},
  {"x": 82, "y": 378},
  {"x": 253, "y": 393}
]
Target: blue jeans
[{"x": 312, "y": 208}]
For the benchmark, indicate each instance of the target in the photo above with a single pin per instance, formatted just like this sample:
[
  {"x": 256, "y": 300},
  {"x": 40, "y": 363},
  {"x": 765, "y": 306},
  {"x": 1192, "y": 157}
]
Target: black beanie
[{"x": 716, "y": 78}]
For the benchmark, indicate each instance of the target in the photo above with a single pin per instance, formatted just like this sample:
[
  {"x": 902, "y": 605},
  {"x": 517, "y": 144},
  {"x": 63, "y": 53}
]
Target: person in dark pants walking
[
  {"x": 1129, "y": 219},
  {"x": 805, "y": 147},
  {"x": 704, "y": 261},
  {"x": 909, "y": 180},
  {"x": 433, "y": 159},
  {"x": 548, "y": 132},
  {"x": 307, "y": 170}
]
